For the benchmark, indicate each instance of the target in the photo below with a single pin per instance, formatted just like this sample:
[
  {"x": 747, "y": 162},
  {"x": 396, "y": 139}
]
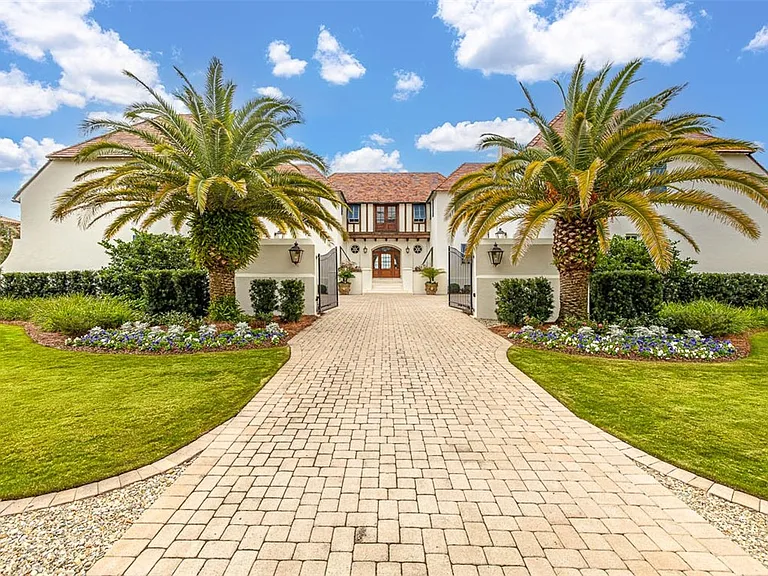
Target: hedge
[
  {"x": 626, "y": 295},
  {"x": 48, "y": 284},
  {"x": 737, "y": 289},
  {"x": 166, "y": 291},
  {"x": 291, "y": 294},
  {"x": 517, "y": 298},
  {"x": 263, "y": 294}
]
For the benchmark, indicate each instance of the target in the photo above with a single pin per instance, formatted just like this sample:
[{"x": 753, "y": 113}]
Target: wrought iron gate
[
  {"x": 327, "y": 281},
  {"x": 459, "y": 280}
]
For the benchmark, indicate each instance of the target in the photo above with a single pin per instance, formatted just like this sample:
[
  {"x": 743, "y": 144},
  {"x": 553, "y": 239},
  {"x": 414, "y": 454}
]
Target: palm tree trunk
[
  {"x": 221, "y": 282},
  {"x": 575, "y": 247}
]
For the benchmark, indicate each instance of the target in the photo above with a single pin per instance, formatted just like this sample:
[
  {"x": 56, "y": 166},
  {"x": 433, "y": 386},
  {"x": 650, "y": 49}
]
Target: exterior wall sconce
[
  {"x": 407, "y": 250},
  {"x": 365, "y": 249},
  {"x": 296, "y": 252},
  {"x": 500, "y": 233},
  {"x": 495, "y": 254}
]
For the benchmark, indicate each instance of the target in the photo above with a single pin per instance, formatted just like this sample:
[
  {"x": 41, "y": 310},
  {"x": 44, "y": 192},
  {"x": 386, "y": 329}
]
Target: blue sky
[{"x": 457, "y": 64}]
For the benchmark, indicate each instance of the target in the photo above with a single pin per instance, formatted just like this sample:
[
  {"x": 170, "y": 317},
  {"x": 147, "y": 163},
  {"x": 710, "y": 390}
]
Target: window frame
[
  {"x": 350, "y": 214},
  {"x": 423, "y": 208}
]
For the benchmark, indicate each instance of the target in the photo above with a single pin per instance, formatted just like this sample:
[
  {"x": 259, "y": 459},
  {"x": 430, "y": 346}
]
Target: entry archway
[{"x": 386, "y": 262}]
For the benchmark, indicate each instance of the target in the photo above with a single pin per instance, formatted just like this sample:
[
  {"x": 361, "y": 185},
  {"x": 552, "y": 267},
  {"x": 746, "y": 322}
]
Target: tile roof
[
  {"x": 462, "y": 170},
  {"x": 385, "y": 186},
  {"x": 117, "y": 137},
  {"x": 10, "y": 221},
  {"x": 558, "y": 123}
]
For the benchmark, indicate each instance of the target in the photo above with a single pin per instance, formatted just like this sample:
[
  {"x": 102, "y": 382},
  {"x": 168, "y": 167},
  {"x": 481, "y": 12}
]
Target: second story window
[
  {"x": 353, "y": 215},
  {"x": 659, "y": 169},
  {"x": 419, "y": 212}
]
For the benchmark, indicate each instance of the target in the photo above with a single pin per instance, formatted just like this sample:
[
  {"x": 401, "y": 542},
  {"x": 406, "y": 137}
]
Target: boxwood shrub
[
  {"x": 736, "y": 289},
  {"x": 263, "y": 294},
  {"x": 166, "y": 291},
  {"x": 291, "y": 294},
  {"x": 520, "y": 297},
  {"x": 626, "y": 295}
]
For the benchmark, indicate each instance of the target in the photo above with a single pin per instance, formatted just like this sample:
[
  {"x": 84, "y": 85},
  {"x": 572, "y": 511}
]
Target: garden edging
[
  {"x": 664, "y": 468},
  {"x": 194, "y": 448}
]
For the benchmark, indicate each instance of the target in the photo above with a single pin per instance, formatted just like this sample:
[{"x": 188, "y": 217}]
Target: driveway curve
[{"x": 398, "y": 440}]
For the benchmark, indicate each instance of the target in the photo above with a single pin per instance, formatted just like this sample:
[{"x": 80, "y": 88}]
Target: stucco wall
[
  {"x": 274, "y": 262},
  {"x": 536, "y": 262},
  {"x": 47, "y": 246},
  {"x": 364, "y": 281}
]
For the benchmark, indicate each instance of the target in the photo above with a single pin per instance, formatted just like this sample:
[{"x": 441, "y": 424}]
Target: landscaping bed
[
  {"x": 72, "y": 417},
  {"x": 705, "y": 418}
]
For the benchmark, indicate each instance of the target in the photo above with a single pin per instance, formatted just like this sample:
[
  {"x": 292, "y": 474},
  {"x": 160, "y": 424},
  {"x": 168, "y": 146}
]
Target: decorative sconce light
[
  {"x": 296, "y": 252},
  {"x": 365, "y": 249},
  {"x": 279, "y": 234},
  {"x": 495, "y": 254},
  {"x": 407, "y": 250},
  {"x": 500, "y": 233}
]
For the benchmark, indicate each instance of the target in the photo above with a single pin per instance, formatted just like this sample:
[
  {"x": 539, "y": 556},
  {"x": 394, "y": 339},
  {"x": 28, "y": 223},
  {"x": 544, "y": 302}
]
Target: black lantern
[
  {"x": 500, "y": 233},
  {"x": 495, "y": 254},
  {"x": 296, "y": 252}
]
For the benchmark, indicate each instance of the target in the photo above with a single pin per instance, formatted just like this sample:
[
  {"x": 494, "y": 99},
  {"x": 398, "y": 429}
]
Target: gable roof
[
  {"x": 9, "y": 221},
  {"x": 462, "y": 170},
  {"x": 393, "y": 187},
  {"x": 558, "y": 124},
  {"x": 117, "y": 137}
]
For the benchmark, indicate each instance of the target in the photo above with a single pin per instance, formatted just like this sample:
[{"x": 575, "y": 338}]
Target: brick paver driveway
[{"x": 399, "y": 441}]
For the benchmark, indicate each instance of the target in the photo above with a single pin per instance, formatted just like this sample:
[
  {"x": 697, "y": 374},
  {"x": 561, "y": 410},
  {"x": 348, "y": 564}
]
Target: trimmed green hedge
[
  {"x": 291, "y": 294},
  {"x": 166, "y": 291},
  {"x": 263, "y": 294},
  {"x": 626, "y": 295},
  {"x": 736, "y": 289},
  {"x": 517, "y": 298}
]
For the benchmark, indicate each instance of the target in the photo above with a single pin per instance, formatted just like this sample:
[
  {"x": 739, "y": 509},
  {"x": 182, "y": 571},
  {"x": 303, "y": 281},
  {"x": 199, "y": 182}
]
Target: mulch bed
[
  {"x": 56, "y": 340},
  {"x": 739, "y": 341}
]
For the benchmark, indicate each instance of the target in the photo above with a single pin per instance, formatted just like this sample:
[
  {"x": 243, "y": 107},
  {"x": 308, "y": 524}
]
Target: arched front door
[{"x": 386, "y": 262}]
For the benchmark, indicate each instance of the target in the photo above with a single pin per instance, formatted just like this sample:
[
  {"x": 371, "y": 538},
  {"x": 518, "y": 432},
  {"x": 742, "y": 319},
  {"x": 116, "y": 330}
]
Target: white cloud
[
  {"x": 464, "y": 136},
  {"x": 19, "y": 96},
  {"x": 91, "y": 59},
  {"x": 270, "y": 91},
  {"x": 27, "y": 155},
  {"x": 278, "y": 53},
  {"x": 106, "y": 115},
  {"x": 407, "y": 84},
  {"x": 367, "y": 159},
  {"x": 499, "y": 36},
  {"x": 337, "y": 66},
  {"x": 379, "y": 140},
  {"x": 760, "y": 41}
]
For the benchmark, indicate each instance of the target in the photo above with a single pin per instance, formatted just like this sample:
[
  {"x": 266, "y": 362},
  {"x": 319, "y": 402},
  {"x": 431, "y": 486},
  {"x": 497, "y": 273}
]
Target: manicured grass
[
  {"x": 706, "y": 418},
  {"x": 69, "y": 418}
]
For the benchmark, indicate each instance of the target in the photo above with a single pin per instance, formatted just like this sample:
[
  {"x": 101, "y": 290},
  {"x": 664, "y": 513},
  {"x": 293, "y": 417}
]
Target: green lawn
[
  {"x": 69, "y": 418},
  {"x": 711, "y": 419}
]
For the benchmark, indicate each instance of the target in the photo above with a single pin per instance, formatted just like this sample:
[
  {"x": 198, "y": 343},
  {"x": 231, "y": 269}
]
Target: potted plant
[
  {"x": 431, "y": 273},
  {"x": 346, "y": 274}
]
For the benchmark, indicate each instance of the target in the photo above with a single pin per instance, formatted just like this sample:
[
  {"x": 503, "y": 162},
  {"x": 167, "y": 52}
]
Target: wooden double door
[{"x": 386, "y": 262}]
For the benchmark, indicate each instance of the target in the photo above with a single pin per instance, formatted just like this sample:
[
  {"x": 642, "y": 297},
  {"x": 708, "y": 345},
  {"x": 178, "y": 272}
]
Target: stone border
[
  {"x": 8, "y": 507},
  {"x": 684, "y": 476}
]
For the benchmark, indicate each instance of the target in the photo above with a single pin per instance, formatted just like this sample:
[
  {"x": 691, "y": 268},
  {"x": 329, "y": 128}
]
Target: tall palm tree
[
  {"x": 218, "y": 171},
  {"x": 607, "y": 159}
]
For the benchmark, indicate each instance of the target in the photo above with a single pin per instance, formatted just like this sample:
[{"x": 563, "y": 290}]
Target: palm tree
[
  {"x": 607, "y": 159},
  {"x": 218, "y": 171}
]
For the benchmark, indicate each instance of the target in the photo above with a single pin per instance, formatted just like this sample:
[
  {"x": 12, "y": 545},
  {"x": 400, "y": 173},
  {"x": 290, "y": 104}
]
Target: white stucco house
[{"x": 395, "y": 223}]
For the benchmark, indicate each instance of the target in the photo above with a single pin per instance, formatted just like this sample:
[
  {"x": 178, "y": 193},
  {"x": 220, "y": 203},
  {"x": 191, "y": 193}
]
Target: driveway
[{"x": 398, "y": 440}]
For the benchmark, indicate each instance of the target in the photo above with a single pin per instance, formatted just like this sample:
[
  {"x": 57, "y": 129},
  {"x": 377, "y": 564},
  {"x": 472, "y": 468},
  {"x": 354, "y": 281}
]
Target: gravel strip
[
  {"x": 67, "y": 540},
  {"x": 748, "y": 528}
]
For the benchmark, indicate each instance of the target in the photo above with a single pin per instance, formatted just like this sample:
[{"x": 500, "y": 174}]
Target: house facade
[{"x": 395, "y": 223}]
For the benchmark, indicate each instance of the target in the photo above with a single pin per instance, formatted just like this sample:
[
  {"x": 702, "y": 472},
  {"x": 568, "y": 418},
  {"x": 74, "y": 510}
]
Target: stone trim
[
  {"x": 637, "y": 455},
  {"x": 8, "y": 507}
]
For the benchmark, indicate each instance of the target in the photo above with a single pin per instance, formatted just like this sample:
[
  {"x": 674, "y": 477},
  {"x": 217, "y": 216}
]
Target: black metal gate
[
  {"x": 459, "y": 280},
  {"x": 327, "y": 281}
]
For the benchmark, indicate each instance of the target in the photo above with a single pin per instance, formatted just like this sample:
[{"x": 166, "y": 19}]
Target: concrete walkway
[{"x": 399, "y": 441}]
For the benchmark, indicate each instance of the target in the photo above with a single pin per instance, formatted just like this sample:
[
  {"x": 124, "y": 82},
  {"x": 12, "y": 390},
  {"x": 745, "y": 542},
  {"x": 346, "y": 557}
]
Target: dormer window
[
  {"x": 353, "y": 214},
  {"x": 419, "y": 212}
]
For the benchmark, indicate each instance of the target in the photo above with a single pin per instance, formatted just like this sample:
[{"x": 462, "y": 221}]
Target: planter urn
[
  {"x": 430, "y": 288},
  {"x": 345, "y": 288}
]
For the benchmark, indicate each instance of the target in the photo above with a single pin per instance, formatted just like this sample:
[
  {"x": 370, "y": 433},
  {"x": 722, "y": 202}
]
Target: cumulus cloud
[
  {"x": 270, "y": 91},
  {"x": 91, "y": 59},
  {"x": 20, "y": 96},
  {"x": 464, "y": 136},
  {"x": 379, "y": 140},
  {"x": 279, "y": 54},
  {"x": 760, "y": 40},
  {"x": 27, "y": 155},
  {"x": 367, "y": 159},
  {"x": 407, "y": 84},
  {"x": 106, "y": 115},
  {"x": 337, "y": 66},
  {"x": 499, "y": 36}
]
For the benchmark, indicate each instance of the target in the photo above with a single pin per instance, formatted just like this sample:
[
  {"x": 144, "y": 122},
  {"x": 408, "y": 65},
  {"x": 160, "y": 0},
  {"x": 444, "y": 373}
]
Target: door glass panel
[
  {"x": 391, "y": 213},
  {"x": 386, "y": 261},
  {"x": 380, "y": 214}
]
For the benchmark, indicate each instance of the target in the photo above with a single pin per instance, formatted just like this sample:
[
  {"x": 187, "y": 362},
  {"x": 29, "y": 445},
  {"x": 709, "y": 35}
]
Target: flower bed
[
  {"x": 140, "y": 336},
  {"x": 651, "y": 342}
]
